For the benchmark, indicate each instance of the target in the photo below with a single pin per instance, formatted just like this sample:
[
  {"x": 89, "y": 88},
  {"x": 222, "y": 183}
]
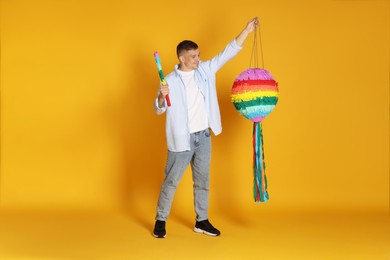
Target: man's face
[{"x": 189, "y": 60}]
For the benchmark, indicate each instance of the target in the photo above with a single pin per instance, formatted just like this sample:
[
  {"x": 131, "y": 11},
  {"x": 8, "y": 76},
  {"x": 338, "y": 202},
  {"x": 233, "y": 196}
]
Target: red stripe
[{"x": 256, "y": 82}]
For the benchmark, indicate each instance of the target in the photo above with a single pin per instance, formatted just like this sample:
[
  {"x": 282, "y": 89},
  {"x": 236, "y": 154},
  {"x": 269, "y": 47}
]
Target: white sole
[
  {"x": 201, "y": 231},
  {"x": 158, "y": 236}
]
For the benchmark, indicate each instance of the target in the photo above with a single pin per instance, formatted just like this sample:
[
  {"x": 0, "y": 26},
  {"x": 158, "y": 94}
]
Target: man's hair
[{"x": 185, "y": 45}]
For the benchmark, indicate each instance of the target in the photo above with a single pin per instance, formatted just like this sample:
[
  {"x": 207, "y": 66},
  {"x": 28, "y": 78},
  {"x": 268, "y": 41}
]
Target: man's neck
[{"x": 183, "y": 68}]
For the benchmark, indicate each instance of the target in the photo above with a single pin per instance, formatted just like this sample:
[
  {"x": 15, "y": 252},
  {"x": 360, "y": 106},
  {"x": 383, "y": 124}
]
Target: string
[
  {"x": 255, "y": 47},
  {"x": 261, "y": 48},
  {"x": 254, "y": 51}
]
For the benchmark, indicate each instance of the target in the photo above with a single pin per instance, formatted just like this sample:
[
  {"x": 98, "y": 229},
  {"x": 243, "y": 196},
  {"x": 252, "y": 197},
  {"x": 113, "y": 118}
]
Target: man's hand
[
  {"x": 164, "y": 90},
  {"x": 252, "y": 24},
  {"x": 250, "y": 27}
]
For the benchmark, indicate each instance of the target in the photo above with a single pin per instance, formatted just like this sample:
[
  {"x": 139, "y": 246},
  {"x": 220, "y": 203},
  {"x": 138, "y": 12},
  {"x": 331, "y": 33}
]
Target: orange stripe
[{"x": 244, "y": 88}]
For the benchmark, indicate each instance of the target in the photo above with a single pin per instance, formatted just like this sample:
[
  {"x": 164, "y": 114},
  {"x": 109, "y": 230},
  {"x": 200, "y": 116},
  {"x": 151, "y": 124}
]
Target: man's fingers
[{"x": 164, "y": 90}]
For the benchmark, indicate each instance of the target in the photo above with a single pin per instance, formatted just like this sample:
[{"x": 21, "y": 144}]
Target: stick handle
[{"x": 168, "y": 100}]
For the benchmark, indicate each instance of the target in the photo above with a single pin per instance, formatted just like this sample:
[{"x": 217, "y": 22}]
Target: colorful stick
[{"x": 162, "y": 78}]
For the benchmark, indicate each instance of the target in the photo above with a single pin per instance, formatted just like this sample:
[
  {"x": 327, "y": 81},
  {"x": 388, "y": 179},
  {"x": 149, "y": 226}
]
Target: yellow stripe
[{"x": 253, "y": 95}]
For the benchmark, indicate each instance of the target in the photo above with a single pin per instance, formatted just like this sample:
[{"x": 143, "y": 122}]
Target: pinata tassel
[{"x": 260, "y": 180}]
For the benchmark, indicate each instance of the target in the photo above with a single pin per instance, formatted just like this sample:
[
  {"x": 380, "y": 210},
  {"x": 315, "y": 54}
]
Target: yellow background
[{"x": 78, "y": 80}]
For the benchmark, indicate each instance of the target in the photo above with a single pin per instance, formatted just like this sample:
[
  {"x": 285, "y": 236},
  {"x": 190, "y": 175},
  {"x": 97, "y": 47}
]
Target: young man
[{"x": 194, "y": 111}]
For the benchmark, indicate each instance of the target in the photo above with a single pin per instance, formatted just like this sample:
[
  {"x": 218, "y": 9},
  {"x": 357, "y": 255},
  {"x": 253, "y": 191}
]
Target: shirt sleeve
[
  {"x": 157, "y": 109},
  {"x": 227, "y": 54}
]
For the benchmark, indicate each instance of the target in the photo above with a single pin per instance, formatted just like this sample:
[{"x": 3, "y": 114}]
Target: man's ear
[{"x": 181, "y": 58}]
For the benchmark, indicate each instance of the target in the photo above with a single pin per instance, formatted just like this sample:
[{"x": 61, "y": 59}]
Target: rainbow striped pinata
[{"x": 255, "y": 94}]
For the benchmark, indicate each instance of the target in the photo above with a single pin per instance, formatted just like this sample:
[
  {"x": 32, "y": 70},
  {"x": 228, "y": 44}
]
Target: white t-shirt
[{"x": 197, "y": 116}]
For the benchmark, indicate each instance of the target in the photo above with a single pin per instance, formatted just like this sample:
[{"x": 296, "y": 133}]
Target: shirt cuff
[
  {"x": 235, "y": 45},
  {"x": 159, "y": 110}
]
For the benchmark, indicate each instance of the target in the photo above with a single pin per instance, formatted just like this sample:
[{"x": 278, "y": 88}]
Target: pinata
[{"x": 255, "y": 94}]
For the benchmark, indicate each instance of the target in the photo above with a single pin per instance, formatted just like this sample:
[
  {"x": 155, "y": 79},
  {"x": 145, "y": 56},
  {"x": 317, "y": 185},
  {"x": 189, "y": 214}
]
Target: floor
[{"x": 120, "y": 235}]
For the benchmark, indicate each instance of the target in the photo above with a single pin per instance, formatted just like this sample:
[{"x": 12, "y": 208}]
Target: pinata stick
[{"x": 161, "y": 74}]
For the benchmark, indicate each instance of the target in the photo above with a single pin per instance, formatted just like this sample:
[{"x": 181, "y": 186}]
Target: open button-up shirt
[{"x": 177, "y": 130}]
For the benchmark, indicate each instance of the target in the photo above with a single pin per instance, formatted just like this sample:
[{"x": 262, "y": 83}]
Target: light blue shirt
[{"x": 176, "y": 126}]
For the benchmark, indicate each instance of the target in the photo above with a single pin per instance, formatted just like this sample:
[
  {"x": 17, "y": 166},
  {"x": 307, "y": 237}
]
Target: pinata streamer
[{"x": 254, "y": 95}]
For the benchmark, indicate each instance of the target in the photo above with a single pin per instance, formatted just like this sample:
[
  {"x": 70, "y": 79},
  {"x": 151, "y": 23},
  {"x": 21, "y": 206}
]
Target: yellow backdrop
[{"x": 78, "y": 80}]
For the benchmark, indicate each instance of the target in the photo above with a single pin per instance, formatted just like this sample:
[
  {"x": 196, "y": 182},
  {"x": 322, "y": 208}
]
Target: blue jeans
[{"x": 199, "y": 158}]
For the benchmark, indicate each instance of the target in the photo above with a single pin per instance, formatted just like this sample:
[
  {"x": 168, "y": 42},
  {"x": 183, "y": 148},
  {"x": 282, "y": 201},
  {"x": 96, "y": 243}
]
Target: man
[{"x": 194, "y": 111}]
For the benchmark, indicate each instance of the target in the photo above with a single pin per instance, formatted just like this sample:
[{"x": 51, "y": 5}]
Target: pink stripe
[
  {"x": 255, "y": 73},
  {"x": 257, "y": 119}
]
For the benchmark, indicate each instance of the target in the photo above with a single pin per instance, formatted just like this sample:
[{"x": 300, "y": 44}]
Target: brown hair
[{"x": 185, "y": 45}]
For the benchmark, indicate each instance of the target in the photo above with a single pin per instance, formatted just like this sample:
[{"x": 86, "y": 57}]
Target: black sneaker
[
  {"x": 205, "y": 227},
  {"x": 159, "y": 229}
]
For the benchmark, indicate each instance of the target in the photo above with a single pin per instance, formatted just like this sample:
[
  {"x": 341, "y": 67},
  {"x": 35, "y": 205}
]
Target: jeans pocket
[{"x": 207, "y": 132}]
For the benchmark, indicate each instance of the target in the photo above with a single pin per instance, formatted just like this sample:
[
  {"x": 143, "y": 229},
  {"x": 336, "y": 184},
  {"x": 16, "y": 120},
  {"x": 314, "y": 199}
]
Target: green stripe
[{"x": 256, "y": 102}]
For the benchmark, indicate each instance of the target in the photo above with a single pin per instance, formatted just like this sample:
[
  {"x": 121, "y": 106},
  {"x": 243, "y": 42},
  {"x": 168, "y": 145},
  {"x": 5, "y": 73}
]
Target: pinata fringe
[{"x": 260, "y": 180}]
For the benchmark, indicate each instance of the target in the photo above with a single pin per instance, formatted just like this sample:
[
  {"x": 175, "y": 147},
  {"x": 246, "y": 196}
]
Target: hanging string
[
  {"x": 261, "y": 48},
  {"x": 254, "y": 51},
  {"x": 255, "y": 55}
]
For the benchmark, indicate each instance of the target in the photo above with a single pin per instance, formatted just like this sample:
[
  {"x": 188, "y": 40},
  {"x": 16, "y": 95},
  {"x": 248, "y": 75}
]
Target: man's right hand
[{"x": 164, "y": 90}]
